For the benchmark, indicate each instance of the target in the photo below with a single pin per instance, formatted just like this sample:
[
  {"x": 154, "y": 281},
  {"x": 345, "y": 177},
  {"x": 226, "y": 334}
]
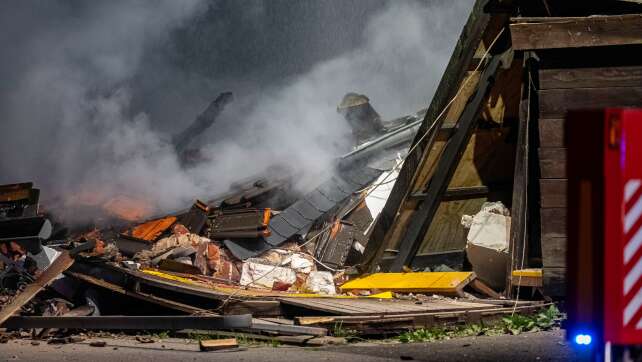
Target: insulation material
[
  {"x": 264, "y": 275},
  {"x": 321, "y": 282},
  {"x": 301, "y": 263},
  {"x": 487, "y": 245},
  {"x": 376, "y": 199}
]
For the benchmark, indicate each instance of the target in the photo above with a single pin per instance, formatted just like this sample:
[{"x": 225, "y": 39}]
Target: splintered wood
[{"x": 62, "y": 263}]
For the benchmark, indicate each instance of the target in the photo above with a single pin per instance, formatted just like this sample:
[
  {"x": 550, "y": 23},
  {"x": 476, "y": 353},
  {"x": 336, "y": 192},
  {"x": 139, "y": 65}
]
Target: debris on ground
[
  {"x": 217, "y": 344},
  {"x": 264, "y": 259}
]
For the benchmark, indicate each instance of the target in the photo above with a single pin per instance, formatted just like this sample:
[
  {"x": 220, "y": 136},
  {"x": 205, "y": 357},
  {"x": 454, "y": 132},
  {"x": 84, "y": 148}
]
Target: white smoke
[{"x": 74, "y": 130}]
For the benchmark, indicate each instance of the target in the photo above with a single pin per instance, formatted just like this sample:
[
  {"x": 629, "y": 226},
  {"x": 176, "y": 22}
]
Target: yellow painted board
[
  {"x": 528, "y": 273},
  {"x": 446, "y": 282}
]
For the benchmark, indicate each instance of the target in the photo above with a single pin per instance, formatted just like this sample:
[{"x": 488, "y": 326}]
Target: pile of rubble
[{"x": 263, "y": 248}]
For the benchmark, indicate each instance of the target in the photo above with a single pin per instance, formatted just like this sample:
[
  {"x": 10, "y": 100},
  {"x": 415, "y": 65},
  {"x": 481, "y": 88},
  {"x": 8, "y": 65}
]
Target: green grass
[
  {"x": 339, "y": 331},
  {"x": 515, "y": 324}
]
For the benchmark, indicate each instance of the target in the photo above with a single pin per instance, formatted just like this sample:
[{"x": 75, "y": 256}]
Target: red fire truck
[{"x": 604, "y": 254}]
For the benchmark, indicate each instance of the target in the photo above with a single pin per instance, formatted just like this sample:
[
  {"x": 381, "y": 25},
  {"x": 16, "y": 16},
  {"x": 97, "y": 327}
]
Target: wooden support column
[
  {"x": 519, "y": 215},
  {"x": 448, "y": 162},
  {"x": 460, "y": 61}
]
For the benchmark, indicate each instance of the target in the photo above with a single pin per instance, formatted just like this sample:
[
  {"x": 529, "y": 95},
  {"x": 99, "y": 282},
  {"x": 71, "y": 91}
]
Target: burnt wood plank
[
  {"x": 553, "y": 252},
  {"x": 601, "y": 30},
  {"x": 590, "y": 77},
  {"x": 554, "y": 103},
  {"x": 553, "y": 222},
  {"x": 552, "y": 132},
  {"x": 552, "y": 162},
  {"x": 553, "y": 192},
  {"x": 554, "y": 281}
]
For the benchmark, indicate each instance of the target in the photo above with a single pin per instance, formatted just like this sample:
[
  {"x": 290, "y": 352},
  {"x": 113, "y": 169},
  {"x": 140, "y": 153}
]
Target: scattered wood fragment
[
  {"x": 482, "y": 288},
  {"x": 327, "y": 340},
  {"x": 217, "y": 344},
  {"x": 62, "y": 263}
]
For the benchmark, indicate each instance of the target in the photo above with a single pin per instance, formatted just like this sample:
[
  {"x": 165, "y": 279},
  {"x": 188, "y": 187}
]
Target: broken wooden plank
[
  {"x": 596, "y": 30},
  {"x": 371, "y": 306},
  {"x": 554, "y": 103},
  {"x": 481, "y": 287},
  {"x": 565, "y": 78},
  {"x": 141, "y": 296},
  {"x": 553, "y": 192},
  {"x": 206, "y": 345},
  {"x": 258, "y": 325},
  {"x": 132, "y": 322},
  {"x": 387, "y": 323},
  {"x": 449, "y": 283},
  {"x": 447, "y": 164},
  {"x": 62, "y": 263}
]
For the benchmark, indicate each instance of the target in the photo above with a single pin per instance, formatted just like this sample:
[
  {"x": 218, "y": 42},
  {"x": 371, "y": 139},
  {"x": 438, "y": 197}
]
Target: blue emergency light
[{"x": 583, "y": 339}]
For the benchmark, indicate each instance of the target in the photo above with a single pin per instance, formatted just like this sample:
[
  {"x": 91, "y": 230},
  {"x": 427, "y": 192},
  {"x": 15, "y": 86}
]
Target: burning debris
[{"x": 263, "y": 241}]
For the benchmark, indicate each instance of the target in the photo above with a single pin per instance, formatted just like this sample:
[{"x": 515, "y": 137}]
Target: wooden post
[
  {"x": 445, "y": 169},
  {"x": 460, "y": 61}
]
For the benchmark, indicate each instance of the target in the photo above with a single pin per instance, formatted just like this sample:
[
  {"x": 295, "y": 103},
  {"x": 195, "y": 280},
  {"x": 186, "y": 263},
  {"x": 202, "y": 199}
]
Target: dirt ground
[{"x": 538, "y": 346}]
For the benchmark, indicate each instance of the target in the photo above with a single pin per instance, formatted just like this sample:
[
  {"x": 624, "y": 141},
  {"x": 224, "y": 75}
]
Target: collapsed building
[{"x": 440, "y": 216}]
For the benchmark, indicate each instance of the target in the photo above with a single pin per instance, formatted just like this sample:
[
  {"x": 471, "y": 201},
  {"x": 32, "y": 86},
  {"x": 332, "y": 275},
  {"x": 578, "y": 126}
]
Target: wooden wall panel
[
  {"x": 552, "y": 162},
  {"x": 554, "y": 282},
  {"x": 553, "y": 252},
  {"x": 554, "y": 103},
  {"x": 553, "y": 222},
  {"x": 446, "y": 231},
  {"x": 553, "y": 192},
  {"x": 597, "y": 30},
  {"x": 551, "y": 132},
  {"x": 590, "y": 77}
]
